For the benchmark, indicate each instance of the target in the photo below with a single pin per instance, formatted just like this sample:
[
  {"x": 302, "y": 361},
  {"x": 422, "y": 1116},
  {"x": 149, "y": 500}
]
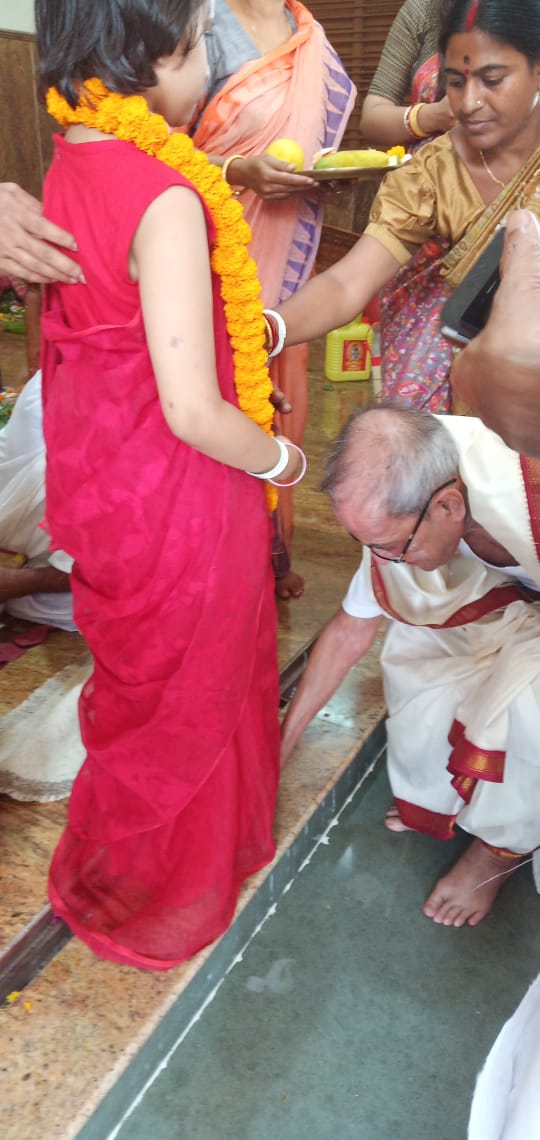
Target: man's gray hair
[{"x": 396, "y": 455}]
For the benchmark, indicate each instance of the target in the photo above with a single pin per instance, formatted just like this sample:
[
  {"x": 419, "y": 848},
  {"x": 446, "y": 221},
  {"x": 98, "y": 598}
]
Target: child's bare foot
[
  {"x": 291, "y": 585},
  {"x": 463, "y": 895},
  {"x": 393, "y": 820}
]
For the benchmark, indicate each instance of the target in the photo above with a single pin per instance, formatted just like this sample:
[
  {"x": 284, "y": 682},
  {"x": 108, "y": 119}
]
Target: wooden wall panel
[
  {"x": 357, "y": 29},
  {"x": 25, "y": 128}
]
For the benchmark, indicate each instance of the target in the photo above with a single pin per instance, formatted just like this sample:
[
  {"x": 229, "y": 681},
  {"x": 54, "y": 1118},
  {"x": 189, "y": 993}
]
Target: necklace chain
[{"x": 490, "y": 172}]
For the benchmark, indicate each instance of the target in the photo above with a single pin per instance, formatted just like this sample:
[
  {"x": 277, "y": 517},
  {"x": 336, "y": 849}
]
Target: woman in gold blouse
[{"x": 432, "y": 218}]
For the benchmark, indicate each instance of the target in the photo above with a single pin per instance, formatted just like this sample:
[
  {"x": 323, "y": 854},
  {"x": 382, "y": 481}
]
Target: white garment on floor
[
  {"x": 41, "y": 749},
  {"x": 506, "y": 1102},
  {"x": 40, "y": 745}
]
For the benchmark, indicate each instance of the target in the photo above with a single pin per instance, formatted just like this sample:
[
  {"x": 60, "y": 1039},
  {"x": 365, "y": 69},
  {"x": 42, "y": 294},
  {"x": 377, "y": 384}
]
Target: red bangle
[{"x": 272, "y": 332}]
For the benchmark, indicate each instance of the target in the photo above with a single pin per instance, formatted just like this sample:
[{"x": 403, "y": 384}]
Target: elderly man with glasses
[{"x": 449, "y": 518}]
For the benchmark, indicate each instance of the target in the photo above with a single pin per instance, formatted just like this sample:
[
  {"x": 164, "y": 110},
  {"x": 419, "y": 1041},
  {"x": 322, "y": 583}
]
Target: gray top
[
  {"x": 412, "y": 39},
  {"x": 229, "y": 47}
]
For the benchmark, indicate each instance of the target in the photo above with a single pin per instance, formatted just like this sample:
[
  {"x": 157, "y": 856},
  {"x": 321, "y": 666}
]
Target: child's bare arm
[{"x": 170, "y": 260}]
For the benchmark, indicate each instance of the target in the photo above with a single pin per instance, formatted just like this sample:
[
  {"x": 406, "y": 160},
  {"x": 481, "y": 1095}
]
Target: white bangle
[
  {"x": 303, "y": 469},
  {"x": 282, "y": 332},
  {"x": 279, "y": 466}
]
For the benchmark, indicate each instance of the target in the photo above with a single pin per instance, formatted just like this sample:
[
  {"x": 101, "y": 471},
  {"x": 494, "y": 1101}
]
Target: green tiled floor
[{"x": 351, "y": 1016}]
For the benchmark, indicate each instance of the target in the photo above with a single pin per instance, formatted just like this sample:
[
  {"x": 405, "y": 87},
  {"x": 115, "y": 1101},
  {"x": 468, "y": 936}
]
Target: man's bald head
[{"x": 393, "y": 456}]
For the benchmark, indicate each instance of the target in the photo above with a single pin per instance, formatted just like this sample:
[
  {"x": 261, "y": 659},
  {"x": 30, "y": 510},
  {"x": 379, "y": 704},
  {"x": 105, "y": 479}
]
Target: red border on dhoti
[
  {"x": 530, "y": 470},
  {"x": 430, "y": 822},
  {"x": 467, "y": 759}
]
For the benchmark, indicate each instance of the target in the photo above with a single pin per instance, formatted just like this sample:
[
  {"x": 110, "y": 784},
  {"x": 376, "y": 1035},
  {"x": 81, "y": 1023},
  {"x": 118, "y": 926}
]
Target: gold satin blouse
[{"x": 432, "y": 195}]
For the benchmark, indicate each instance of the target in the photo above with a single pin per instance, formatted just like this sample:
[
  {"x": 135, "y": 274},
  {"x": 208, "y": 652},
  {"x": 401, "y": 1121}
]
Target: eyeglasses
[{"x": 421, "y": 517}]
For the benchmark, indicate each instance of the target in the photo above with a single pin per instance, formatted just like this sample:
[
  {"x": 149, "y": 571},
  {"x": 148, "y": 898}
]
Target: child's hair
[
  {"x": 118, "y": 41},
  {"x": 512, "y": 22}
]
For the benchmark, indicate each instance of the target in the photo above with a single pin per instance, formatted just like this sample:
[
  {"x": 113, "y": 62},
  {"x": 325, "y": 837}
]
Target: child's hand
[{"x": 280, "y": 401}]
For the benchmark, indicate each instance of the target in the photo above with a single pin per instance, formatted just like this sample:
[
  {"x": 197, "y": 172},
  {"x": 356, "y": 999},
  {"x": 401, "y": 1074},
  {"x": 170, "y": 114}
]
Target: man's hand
[
  {"x": 342, "y": 642},
  {"x": 498, "y": 373},
  {"x": 24, "y": 240},
  {"x": 19, "y": 582}
]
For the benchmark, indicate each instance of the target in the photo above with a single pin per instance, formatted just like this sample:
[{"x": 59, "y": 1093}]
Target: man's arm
[
  {"x": 498, "y": 373},
  {"x": 342, "y": 643},
  {"x": 21, "y": 581},
  {"x": 25, "y": 237}
]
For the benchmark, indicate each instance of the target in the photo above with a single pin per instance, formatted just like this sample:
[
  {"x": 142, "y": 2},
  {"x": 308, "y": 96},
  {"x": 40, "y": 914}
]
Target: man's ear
[{"x": 452, "y": 503}]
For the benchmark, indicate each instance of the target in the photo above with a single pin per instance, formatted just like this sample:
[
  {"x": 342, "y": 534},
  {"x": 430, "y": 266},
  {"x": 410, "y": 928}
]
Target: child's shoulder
[{"x": 119, "y": 161}]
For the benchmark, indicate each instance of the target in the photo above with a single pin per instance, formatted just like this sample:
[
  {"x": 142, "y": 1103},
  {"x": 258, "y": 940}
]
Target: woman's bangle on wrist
[
  {"x": 278, "y": 467},
  {"x": 414, "y": 125},
  {"x": 407, "y": 120},
  {"x": 293, "y": 482},
  {"x": 225, "y": 170},
  {"x": 276, "y": 332}
]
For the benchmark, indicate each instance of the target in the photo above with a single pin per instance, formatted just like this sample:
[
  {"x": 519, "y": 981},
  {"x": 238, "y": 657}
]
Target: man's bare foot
[
  {"x": 464, "y": 895},
  {"x": 393, "y": 820},
  {"x": 291, "y": 585}
]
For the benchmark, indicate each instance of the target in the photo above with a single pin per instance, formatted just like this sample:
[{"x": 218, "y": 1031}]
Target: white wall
[{"x": 17, "y": 15}]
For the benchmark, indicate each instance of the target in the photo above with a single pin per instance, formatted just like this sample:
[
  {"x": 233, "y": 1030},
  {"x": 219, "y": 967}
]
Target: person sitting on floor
[
  {"x": 448, "y": 517},
  {"x": 37, "y": 590}
]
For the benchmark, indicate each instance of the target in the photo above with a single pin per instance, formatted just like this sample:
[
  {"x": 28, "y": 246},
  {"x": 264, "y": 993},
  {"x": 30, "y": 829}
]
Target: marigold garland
[{"x": 128, "y": 118}]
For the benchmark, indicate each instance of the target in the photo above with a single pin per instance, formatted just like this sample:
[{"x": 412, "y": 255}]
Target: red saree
[{"x": 174, "y": 804}]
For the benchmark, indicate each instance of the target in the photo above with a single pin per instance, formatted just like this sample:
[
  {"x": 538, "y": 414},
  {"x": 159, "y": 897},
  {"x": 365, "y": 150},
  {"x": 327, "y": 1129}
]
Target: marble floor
[{"x": 351, "y": 1015}]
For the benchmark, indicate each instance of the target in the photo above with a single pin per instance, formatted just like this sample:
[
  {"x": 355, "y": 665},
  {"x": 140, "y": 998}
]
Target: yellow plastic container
[{"x": 348, "y": 351}]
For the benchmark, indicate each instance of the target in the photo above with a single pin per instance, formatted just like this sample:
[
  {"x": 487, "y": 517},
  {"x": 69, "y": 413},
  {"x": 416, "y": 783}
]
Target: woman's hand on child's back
[{"x": 25, "y": 240}]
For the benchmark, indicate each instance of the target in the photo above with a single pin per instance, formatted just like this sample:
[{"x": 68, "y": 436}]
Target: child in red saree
[{"x": 147, "y": 488}]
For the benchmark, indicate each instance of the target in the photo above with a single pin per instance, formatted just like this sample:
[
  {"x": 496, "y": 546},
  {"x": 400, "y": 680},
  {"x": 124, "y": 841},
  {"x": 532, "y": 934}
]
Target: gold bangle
[
  {"x": 414, "y": 125},
  {"x": 227, "y": 163}
]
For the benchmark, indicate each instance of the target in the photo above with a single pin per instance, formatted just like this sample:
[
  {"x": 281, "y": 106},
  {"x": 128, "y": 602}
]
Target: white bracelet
[
  {"x": 279, "y": 467},
  {"x": 300, "y": 476},
  {"x": 282, "y": 332}
]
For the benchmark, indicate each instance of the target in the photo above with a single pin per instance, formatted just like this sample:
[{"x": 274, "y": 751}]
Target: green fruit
[{"x": 344, "y": 158}]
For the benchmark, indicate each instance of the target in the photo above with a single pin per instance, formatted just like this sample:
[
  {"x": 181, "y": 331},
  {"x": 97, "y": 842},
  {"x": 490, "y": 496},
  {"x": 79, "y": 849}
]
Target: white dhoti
[
  {"x": 462, "y": 660},
  {"x": 484, "y": 677},
  {"x": 40, "y": 745},
  {"x": 22, "y": 506}
]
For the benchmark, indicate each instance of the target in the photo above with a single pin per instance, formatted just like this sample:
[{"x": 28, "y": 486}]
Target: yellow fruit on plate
[
  {"x": 344, "y": 158},
  {"x": 288, "y": 151}
]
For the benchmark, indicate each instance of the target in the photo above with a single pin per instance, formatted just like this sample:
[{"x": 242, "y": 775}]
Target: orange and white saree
[{"x": 300, "y": 91}]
